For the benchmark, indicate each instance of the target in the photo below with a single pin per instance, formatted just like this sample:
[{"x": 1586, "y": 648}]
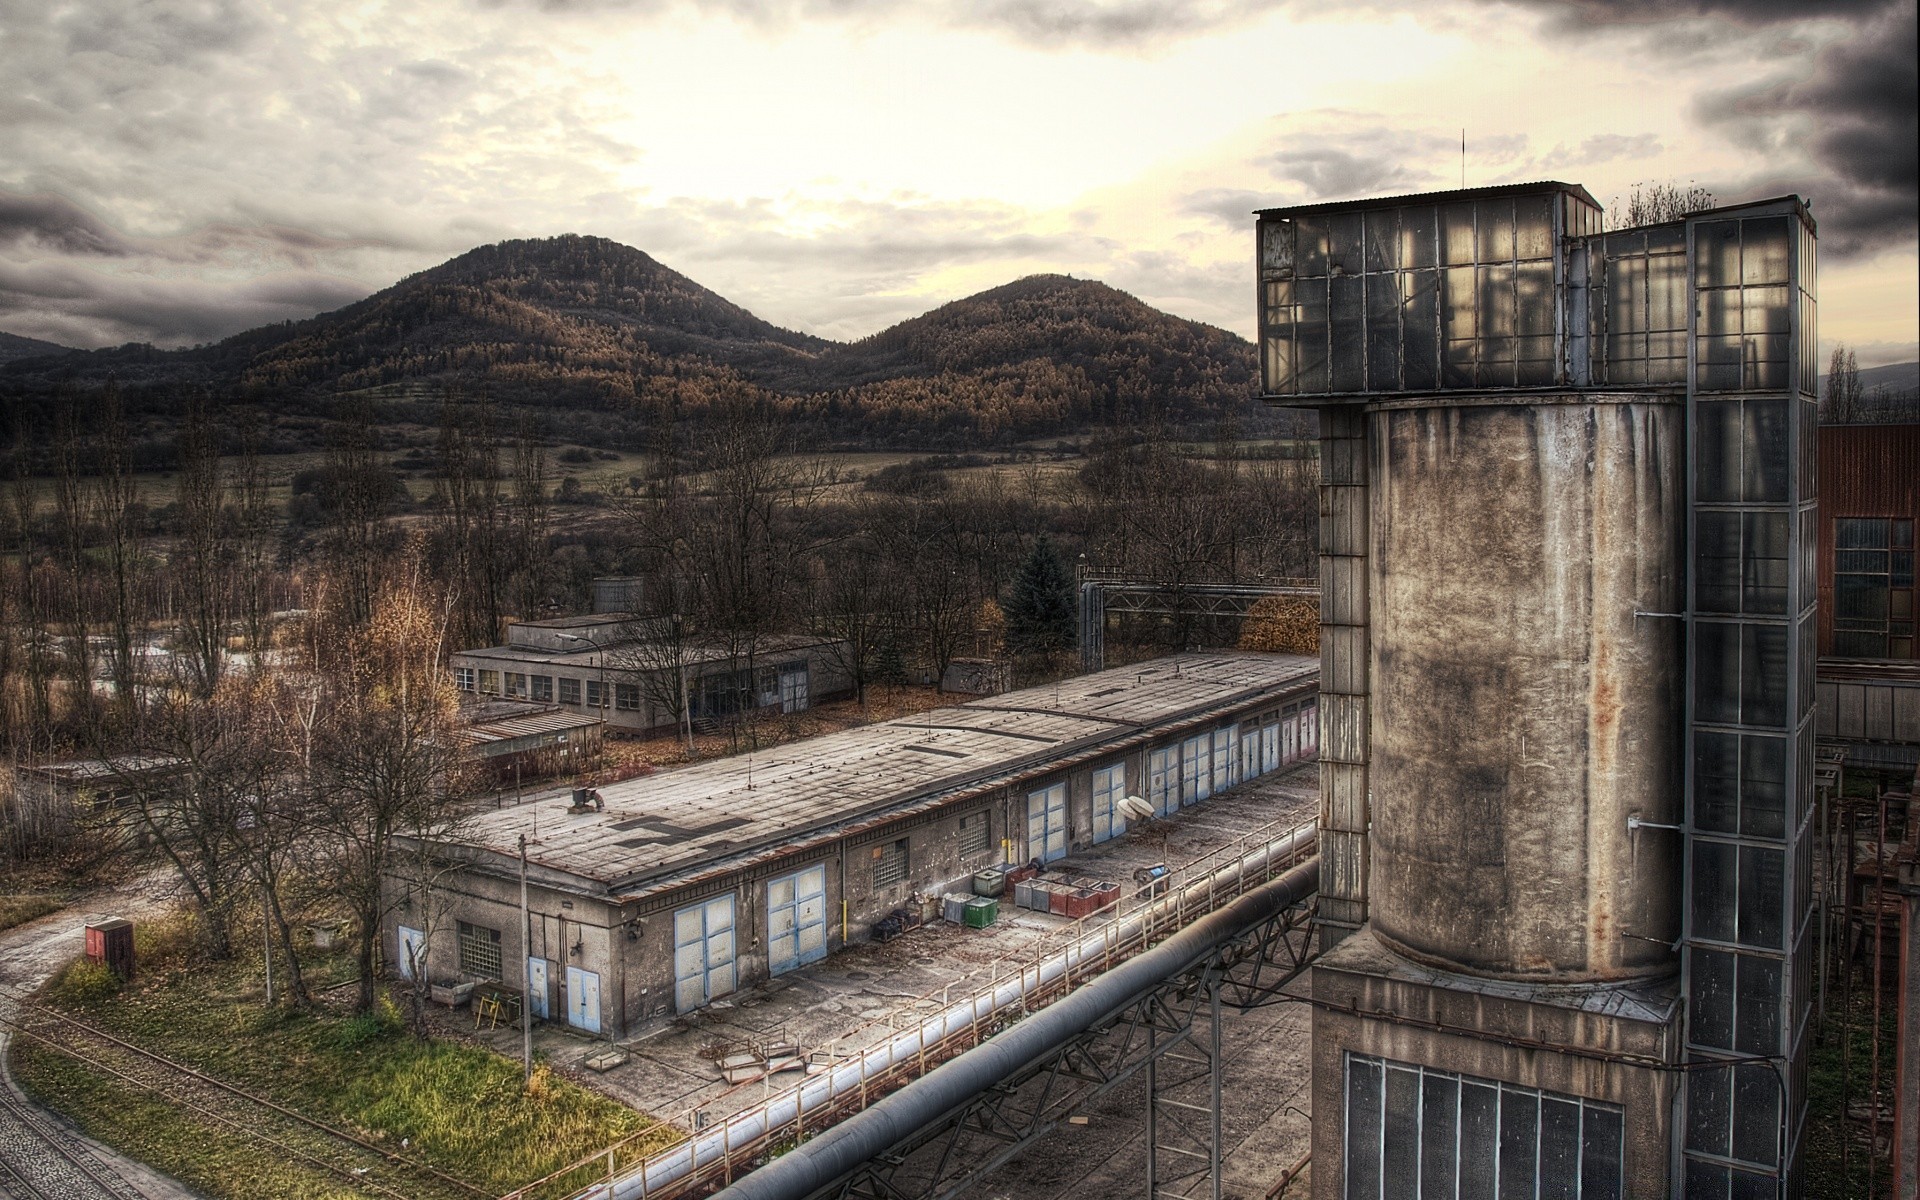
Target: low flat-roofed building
[
  {"x": 616, "y": 667},
  {"x": 685, "y": 886},
  {"x": 514, "y": 740}
]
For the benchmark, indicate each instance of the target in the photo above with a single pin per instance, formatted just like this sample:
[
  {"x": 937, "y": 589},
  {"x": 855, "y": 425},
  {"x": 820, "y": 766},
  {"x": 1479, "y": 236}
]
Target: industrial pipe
[
  {"x": 828, "y": 1159},
  {"x": 743, "y": 1129}
]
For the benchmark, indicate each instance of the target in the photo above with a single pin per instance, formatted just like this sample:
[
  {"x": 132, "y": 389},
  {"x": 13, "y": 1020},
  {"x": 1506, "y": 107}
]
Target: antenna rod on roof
[{"x": 1463, "y": 157}]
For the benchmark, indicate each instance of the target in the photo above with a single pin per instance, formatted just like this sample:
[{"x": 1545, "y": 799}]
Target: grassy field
[
  {"x": 456, "y": 1112},
  {"x": 19, "y": 909}
]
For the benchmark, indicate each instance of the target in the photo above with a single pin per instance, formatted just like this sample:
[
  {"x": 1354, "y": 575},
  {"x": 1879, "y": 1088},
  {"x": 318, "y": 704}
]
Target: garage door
[
  {"x": 797, "y": 919},
  {"x": 702, "y": 952},
  {"x": 1047, "y": 823}
]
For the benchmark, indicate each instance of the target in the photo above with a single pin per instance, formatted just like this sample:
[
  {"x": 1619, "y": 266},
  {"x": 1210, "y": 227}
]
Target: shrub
[{"x": 84, "y": 982}]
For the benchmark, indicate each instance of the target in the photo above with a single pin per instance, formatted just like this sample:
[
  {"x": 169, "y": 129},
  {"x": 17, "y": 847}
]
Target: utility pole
[
  {"x": 266, "y": 939},
  {"x": 526, "y": 970}
]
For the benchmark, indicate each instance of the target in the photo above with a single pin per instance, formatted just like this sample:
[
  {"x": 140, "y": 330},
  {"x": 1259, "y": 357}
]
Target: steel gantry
[
  {"x": 1101, "y": 595},
  {"x": 1160, "y": 1014}
]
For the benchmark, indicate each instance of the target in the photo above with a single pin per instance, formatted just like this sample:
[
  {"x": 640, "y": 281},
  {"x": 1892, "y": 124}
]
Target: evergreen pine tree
[{"x": 1040, "y": 609}]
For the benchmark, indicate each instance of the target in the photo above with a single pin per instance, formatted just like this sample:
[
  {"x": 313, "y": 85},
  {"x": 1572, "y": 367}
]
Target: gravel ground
[{"x": 40, "y": 1155}]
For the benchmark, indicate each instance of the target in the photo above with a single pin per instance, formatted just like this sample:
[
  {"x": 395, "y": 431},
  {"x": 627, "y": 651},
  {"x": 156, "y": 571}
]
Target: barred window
[
  {"x": 479, "y": 951},
  {"x": 543, "y": 688},
  {"x": 889, "y": 864},
  {"x": 569, "y": 691},
  {"x": 975, "y": 836}
]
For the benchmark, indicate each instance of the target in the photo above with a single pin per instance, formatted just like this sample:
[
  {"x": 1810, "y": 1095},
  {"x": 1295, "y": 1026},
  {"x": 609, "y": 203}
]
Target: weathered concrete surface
[
  {"x": 1492, "y": 1029},
  {"x": 1524, "y": 706}
]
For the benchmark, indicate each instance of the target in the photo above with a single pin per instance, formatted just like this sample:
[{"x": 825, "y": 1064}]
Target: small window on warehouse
[{"x": 889, "y": 863}]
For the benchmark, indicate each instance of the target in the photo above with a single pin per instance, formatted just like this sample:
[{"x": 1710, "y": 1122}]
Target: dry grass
[{"x": 454, "y": 1106}]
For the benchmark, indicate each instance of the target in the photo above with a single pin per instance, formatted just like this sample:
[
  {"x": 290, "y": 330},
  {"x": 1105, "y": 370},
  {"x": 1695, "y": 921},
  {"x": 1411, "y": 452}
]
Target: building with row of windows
[
  {"x": 685, "y": 886},
  {"x": 622, "y": 669}
]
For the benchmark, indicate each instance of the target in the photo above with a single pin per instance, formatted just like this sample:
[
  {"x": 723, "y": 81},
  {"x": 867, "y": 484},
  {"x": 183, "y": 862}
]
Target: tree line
[{"x": 271, "y": 697}]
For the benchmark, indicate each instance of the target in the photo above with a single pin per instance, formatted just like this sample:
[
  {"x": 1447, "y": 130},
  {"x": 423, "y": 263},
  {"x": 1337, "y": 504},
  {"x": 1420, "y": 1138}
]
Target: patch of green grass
[
  {"x": 459, "y": 1107},
  {"x": 1830, "y": 1173},
  {"x": 18, "y": 910}
]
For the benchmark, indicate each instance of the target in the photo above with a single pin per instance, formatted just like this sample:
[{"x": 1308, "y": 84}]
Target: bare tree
[
  {"x": 254, "y": 527},
  {"x": 855, "y": 605},
  {"x": 1845, "y": 397},
  {"x": 387, "y": 762},
  {"x": 529, "y": 583},
  {"x": 71, "y": 518},
  {"x": 203, "y": 561},
  {"x": 1656, "y": 203},
  {"x": 191, "y": 767},
  {"x": 30, "y": 582},
  {"x": 121, "y": 517},
  {"x": 359, "y": 497}
]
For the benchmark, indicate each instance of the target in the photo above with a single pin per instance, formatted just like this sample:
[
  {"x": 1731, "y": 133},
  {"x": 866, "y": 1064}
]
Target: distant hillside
[
  {"x": 13, "y": 346},
  {"x": 592, "y": 327},
  {"x": 1040, "y": 355},
  {"x": 1896, "y": 378}
]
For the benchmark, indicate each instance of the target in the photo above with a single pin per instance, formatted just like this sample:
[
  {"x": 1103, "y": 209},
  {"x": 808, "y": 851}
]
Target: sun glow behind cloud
[{"x": 834, "y": 165}]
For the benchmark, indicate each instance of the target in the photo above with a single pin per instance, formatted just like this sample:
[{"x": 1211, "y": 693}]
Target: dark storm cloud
[
  {"x": 74, "y": 306},
  {"x": 50, "y": 222},
  {"x": 1856, "y": 119},
  {"x": 1747, "y": 12}
]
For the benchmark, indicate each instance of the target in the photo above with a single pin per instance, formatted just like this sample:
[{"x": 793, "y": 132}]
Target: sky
[{"x": 176, "y": 171}]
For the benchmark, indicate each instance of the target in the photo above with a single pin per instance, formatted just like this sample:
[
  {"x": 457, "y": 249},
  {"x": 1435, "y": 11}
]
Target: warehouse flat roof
[
  {"x": 630, "y": 654},
  {"x": 665, "y": 826}
]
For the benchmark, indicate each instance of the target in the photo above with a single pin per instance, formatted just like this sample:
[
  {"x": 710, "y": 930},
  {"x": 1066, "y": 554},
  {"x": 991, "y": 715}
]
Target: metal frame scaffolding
[{"x": 1172, "y": 1033}]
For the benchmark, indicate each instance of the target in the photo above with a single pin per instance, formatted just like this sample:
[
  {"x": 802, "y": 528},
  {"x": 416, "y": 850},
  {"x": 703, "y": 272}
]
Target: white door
[
  {"x": 1047, "y": 823},
  {"x": 1109, "y": 785},
  {"x": 794, "y": 688},
  {"x": 1290, "y": 739},
  {"x": 702, "y": 952},
  {"x": 1270, "y": 747},
  {"x": 412, "y": 952},
  {"x": 796, "y": 919},
  {"x": 1309, "y": 731},
  {"x": 1250, "y": 755},
  {"x": 583, "y": 999},
  {"x": 1196, "y": 769},
  {"x": 537, "y": 987},
  {"x": 1163, "y": 778},
  {"x": 1226, "y": 754}
]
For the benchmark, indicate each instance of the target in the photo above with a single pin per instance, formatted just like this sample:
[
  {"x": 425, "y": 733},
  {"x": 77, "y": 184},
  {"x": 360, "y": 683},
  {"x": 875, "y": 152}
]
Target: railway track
[
  {"x": 40, "y": 1161},
  {"x": 370, "y": 1169}
]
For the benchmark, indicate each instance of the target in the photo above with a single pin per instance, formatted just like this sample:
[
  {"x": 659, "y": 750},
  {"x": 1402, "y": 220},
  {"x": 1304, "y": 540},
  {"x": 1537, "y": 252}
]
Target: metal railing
[{"x": 937, "y": 1028}]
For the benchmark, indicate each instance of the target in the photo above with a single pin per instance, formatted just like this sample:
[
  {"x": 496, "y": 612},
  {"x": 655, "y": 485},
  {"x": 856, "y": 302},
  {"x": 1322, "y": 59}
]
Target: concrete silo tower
[{"x": 1567, "y": 533}]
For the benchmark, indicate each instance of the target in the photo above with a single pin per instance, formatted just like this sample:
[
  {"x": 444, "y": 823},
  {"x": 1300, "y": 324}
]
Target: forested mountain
[
  {"x": 583, "y": 323},
  {"x": 13, "y": 346}
]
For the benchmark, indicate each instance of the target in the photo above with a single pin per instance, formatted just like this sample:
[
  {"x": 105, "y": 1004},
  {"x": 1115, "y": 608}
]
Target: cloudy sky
[{"x": 175, "y": 171}]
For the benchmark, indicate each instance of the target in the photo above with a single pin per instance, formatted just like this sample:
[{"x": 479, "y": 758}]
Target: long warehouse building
[{"x": 688, "y": 885}]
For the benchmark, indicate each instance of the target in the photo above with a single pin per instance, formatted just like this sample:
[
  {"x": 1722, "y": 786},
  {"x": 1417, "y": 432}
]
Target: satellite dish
[{"x": 1133, "y": 808}]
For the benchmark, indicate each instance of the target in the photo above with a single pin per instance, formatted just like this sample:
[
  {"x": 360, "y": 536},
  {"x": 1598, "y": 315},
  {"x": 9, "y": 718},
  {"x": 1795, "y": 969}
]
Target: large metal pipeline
[
  {"x": 830, "y": 1158},
  {"x": 657, "y": 1175}
]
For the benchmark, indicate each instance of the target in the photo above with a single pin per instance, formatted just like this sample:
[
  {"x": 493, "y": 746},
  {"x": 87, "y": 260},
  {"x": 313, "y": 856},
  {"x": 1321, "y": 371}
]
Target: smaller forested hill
[
  {"x": 13, "y": 346},
  {"x": 1043, "y": 354}
]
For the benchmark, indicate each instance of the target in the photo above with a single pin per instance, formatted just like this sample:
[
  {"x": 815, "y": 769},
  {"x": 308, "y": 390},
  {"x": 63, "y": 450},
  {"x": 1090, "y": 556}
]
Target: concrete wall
[
  {"x": 1487, "y": 1036},
  {"x": 1524, "y": 705}
]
